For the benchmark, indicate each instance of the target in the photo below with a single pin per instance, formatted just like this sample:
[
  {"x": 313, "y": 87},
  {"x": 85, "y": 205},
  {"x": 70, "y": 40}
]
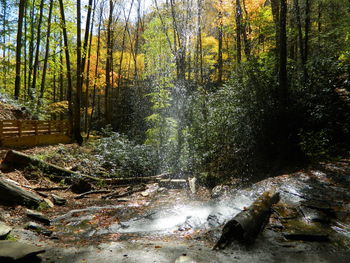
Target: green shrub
[{"x": 124, "y": 157}]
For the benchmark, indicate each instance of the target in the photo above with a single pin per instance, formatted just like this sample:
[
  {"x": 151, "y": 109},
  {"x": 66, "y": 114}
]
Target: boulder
[
  {"x": 58, "y": 200},
  {"x": 38, "y": 216},
  {"x": 13, "y": 250},
  {"x": 38, "y": 228},
  {"x": 4, "y": 230}
]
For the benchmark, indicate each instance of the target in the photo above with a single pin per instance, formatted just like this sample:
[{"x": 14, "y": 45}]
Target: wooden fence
[{"x": 22, "y": 133}]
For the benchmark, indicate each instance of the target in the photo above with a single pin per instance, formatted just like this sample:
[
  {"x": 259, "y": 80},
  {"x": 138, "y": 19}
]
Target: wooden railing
[{"x": 34, "y": 132}]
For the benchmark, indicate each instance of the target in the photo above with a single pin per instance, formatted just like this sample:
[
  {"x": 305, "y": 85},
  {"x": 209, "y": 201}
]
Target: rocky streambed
[{"x": 311, "y": 223}]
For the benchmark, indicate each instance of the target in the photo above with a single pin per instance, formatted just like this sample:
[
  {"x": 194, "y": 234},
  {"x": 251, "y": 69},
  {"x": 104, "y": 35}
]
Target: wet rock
[
  {"x": 314, "y": 215},
  {"x": 185, "y": 259},
  {"x": 151, "y": 190},
  {"x": 305, "y": 231},
  {"x": 220, "y": 190},
  {"x": 13, "y": 251},
  {"x": 38, "y": 228},
  {"x": 38, "y": 217},
  {"x": 58, "y": 200},
  {"x": 4, "y": 230},
  {"x": 214, "y": 221},
  {"x": 81, "y": 186}
]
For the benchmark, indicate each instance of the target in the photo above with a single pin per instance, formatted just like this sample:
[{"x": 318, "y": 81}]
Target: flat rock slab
[
  {"x": 12, "y": 250},
  {"x": 4, "y": 230}
]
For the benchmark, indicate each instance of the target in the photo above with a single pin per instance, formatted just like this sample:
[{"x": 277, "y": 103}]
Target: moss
[
  {"x": 43, "y": 206},
  {"x": 11, "y": 237}
]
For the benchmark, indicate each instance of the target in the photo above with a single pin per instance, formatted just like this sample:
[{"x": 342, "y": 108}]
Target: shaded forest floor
[{"x": 156, "y": 223}]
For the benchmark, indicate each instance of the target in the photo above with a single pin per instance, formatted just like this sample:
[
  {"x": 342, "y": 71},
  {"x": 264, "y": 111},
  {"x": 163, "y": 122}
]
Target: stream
[{"x": 311, "y": 223}]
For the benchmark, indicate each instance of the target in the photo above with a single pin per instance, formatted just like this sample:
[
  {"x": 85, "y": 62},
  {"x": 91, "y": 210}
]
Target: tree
[
  {"x": 66, "y": 49},
  {"x": 19, "y": 47}
]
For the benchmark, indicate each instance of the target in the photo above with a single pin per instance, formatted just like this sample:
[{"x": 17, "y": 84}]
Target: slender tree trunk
[
  {"x": 307, "y": 31},
  {"x": 137, "y": 35},
  {"x": 96, "y": 99},
  {"x": 31, "y": 51},
  {"x": 61, "y": 69},
  {"x": 238, "y": 31},
  {"x": 18, "y": 48},
  {"x": 38, "y": 38},
  {"x": 220, "y": 40},
  {"x": 245, "y": 30},
  {"x": 283, "y": 80},
  {"x": 275, "y": 7},
  {"x": 319, "y": 25},
  {"x": 47, "y": 48},
  {"x": 25, "y": 53},
  {"x": 4, "y": 25},
  {"x": 87, "y": 81},
  {"x": 76, "y": 126},
  {"x": 199, "y": 49},
  {"x": 300, "y": 31},
  {"x": 108, "y": 116},
  {"x": 66, "y": 48}
]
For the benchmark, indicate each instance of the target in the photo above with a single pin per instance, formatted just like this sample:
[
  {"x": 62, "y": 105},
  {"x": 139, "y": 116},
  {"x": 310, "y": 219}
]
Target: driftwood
[
  {"x": 247, "y": 224},
  {"x": 12, "y": 194}
]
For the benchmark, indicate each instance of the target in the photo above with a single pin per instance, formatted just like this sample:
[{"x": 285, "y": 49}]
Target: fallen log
[
  {"x": 12, "y": 194},
  {"x": 247, "y": 224},
  {"x": 91, "y": 193},
  {"x": 117, "y": 194},
  {"x": 134, "y": 180},
  {"x": 15, "y": 159}
]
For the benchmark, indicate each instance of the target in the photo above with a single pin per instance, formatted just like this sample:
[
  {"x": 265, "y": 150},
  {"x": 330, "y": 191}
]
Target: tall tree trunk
[
  {"x": 4, "y": 25},
  {"x": 18, "y": 48},
  {"x": 87, "y": 79},
  {"x": 108, "y": 116},
  {"x": 31, "y": 52},
  {"x": 137, "y": 36},
  {"x": 76, "y": 126},
  {"x": 96, "y": 75},
  {"x": 283, "y": 80},
  {"x": 245, "y": 30},
  {"x": 275, "y": 7},
  {"x": 25, "y": 53},
  {"x": 43, "y": 80},
  {"x": 307, "y": 30},
  {"x": 61, "y": 73},
  {"x": 300, "y": 31},
  {"x": 220, "y": 40},
  {"x": 38, "y": 38},
  {"x": 66, "y": 49},
  {"x": 238, "y": 31}
]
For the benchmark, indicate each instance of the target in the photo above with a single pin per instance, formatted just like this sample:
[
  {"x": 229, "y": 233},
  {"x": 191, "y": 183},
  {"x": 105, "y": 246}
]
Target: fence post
[
  {"x": 36, "y": 127},
  {"x": 19, "y": 125}
]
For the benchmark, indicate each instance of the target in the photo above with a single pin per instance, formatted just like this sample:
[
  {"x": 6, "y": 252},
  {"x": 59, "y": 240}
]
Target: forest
[{"x": 222, "y": 91}]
